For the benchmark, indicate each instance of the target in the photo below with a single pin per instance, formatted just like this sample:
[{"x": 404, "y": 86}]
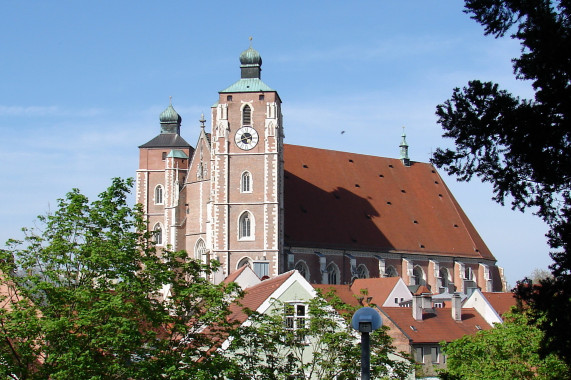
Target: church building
[{"x": 243, "y": 197}]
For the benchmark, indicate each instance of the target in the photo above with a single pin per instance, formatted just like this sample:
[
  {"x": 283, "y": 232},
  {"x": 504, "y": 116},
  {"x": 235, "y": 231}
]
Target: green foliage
[
  {"x": 325, "y": 347},
  {"x": 522, "y": 147},
  {"x": 89, "y": 302},
  {"x": 508, "y": 351}
]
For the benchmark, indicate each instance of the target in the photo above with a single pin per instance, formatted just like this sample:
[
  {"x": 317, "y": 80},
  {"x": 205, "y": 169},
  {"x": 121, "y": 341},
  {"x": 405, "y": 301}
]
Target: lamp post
[{"x": 366, "y": 320}]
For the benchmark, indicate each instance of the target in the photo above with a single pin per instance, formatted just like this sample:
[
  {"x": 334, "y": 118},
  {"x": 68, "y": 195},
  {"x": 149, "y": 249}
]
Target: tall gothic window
[
  {"x": 391, "y": 271},
  {"x": 333, "y": 277},
  {"x": 245, "y": 225},
  {"x": 246, "y": 183},
  {"x": 303, "y": 269},
  {"x": 200, "y": 250},
  {"x": 246, "y": 115},
  {"x": 443, "y": 280},
  {"x": 159, "y": 195},
  {"x": 158, "y": 234},
  {"x": 362, "y": 271},
  {"x": 418, "y": 276}
]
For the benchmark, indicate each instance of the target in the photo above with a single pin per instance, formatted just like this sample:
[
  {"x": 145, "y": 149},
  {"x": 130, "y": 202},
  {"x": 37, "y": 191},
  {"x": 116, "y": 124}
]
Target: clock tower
[{"x": 246, "y": 203}]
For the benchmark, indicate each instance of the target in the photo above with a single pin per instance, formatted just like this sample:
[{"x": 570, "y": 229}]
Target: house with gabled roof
[
  {"x": 242, "y": 196},
  {"x": 491, "y": 305}
]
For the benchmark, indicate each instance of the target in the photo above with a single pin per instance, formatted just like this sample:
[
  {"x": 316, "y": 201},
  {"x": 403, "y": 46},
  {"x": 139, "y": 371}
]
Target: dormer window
[{"x": 246, "y": 115}]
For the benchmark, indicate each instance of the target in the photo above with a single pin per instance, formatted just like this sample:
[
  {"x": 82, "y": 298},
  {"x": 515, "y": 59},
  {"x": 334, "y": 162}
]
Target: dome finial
[{"x": 250, "y": 38}]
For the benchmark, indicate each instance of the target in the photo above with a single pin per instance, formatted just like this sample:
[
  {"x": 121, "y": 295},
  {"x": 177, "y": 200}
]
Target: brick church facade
[{"x": 243, "y": 197}]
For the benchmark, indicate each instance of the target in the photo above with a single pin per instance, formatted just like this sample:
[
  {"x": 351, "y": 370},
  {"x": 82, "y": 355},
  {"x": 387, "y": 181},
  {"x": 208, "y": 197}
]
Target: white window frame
[
  {"x": 295, "y": 318},
  {"x": 200, "y": 250},
  {"x": 159, "y": 195},
  {"x": 158, "y": 237},
  {"x": 246, "y": 183},
  {"x": 250, "y": 228}
]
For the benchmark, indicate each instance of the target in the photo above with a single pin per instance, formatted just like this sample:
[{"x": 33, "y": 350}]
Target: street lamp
[{"x": 366, "y": 320}]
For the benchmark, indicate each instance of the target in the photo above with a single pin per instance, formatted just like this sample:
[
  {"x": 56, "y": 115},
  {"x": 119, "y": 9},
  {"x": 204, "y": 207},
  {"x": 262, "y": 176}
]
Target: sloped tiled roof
[
  {"x": 166, "y": 140},
  {"x": 437, "y": 325},
  {"x": 500, "y": 301},
  {"x": 344, "y": 200},
  {"x": 255, "y": 295},
  {"x": 344, "y": 293},
  {"x": 377, "y": 288}
]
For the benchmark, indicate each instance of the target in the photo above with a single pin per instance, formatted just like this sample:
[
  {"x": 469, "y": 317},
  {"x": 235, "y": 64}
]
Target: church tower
[
  {"x": 163, "y": 164},
  {"x": 247, "y": 173}
]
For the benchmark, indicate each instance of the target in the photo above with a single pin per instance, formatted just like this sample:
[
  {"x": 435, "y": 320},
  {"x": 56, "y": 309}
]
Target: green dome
[
  {"x": 170, "y": 116},
  {"x": 250, "y": 56}
]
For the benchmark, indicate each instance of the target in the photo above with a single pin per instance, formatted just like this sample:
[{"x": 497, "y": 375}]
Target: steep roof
[
  {"x": 436, "y": 325},
  {"x": 377, "y": 288},
  {"x": 353, "y": 201},
  {"x": 500, "y": 301},
  {"x": 255, "y": 295},
  {"x": 166, "y": 140}
]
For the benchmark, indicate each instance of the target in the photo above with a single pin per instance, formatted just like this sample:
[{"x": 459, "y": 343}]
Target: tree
[
  {"x": 522, "y": 147},
  {"x": 323, "y": 346},
  {"x": 508, "y": 351},
  {"x": 90, "y": 299}
]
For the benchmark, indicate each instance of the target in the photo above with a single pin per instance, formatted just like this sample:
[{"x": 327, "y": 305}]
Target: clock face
[{"x": 246, "y": 138}]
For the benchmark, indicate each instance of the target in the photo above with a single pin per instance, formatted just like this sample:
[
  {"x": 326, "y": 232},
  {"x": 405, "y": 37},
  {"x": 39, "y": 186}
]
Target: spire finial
[
  {"x": 170, "y": 100},
  {"x": 404, "y": 149},
  {"x": 202, "y": 121}
]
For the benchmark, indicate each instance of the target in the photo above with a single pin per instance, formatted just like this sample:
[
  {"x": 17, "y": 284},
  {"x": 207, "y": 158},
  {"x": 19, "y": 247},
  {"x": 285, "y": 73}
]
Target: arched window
[
  {"x": 246, "y": 183},
  {"x": 243, "y": 262},
  {"x": 362, "y": 271},
  {"x": 158, "y": 234},
  {"x": 159, "y": 195},
  {"x": 246, "y": 115},
  {"x": 245, "y": 226},
  {"x": 418, "y": 276},
  {"x": 200, "y": 250},
  {"x": 390, "y": 271},
  {"x": 303, "y": 269},
  {"x": 443, "y": 280},
  {"x": 333, "y": 276}
]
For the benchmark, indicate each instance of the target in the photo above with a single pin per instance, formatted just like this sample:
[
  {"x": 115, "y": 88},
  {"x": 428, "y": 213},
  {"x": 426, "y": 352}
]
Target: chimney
[
  {"x": 426, "y": 301},
  {"x": 417, "y": 307},
  {"x": 456, "y": 307}
]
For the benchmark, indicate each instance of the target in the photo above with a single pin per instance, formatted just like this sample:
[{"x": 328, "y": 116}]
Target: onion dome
[
  {"x": 250, "y": 56},
  {"x": 170, "y": 116},
  {"x": 170, "y": 120}
]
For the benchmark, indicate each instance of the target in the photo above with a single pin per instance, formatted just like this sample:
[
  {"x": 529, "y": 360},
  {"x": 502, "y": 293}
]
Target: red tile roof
[
  {"x": 436, "y": 326},
  {"x": 344, "y": 293},
  {"x": 501, "y": 302},
  {"x": 255, "y": 295},
  {"x": 377, "y": 288},
  {"x": 234, "y": 275},
  {"x": 352, "y": 201}
]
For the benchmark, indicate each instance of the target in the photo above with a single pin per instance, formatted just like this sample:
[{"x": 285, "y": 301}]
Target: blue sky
[{"x": 83, "y": 84}]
